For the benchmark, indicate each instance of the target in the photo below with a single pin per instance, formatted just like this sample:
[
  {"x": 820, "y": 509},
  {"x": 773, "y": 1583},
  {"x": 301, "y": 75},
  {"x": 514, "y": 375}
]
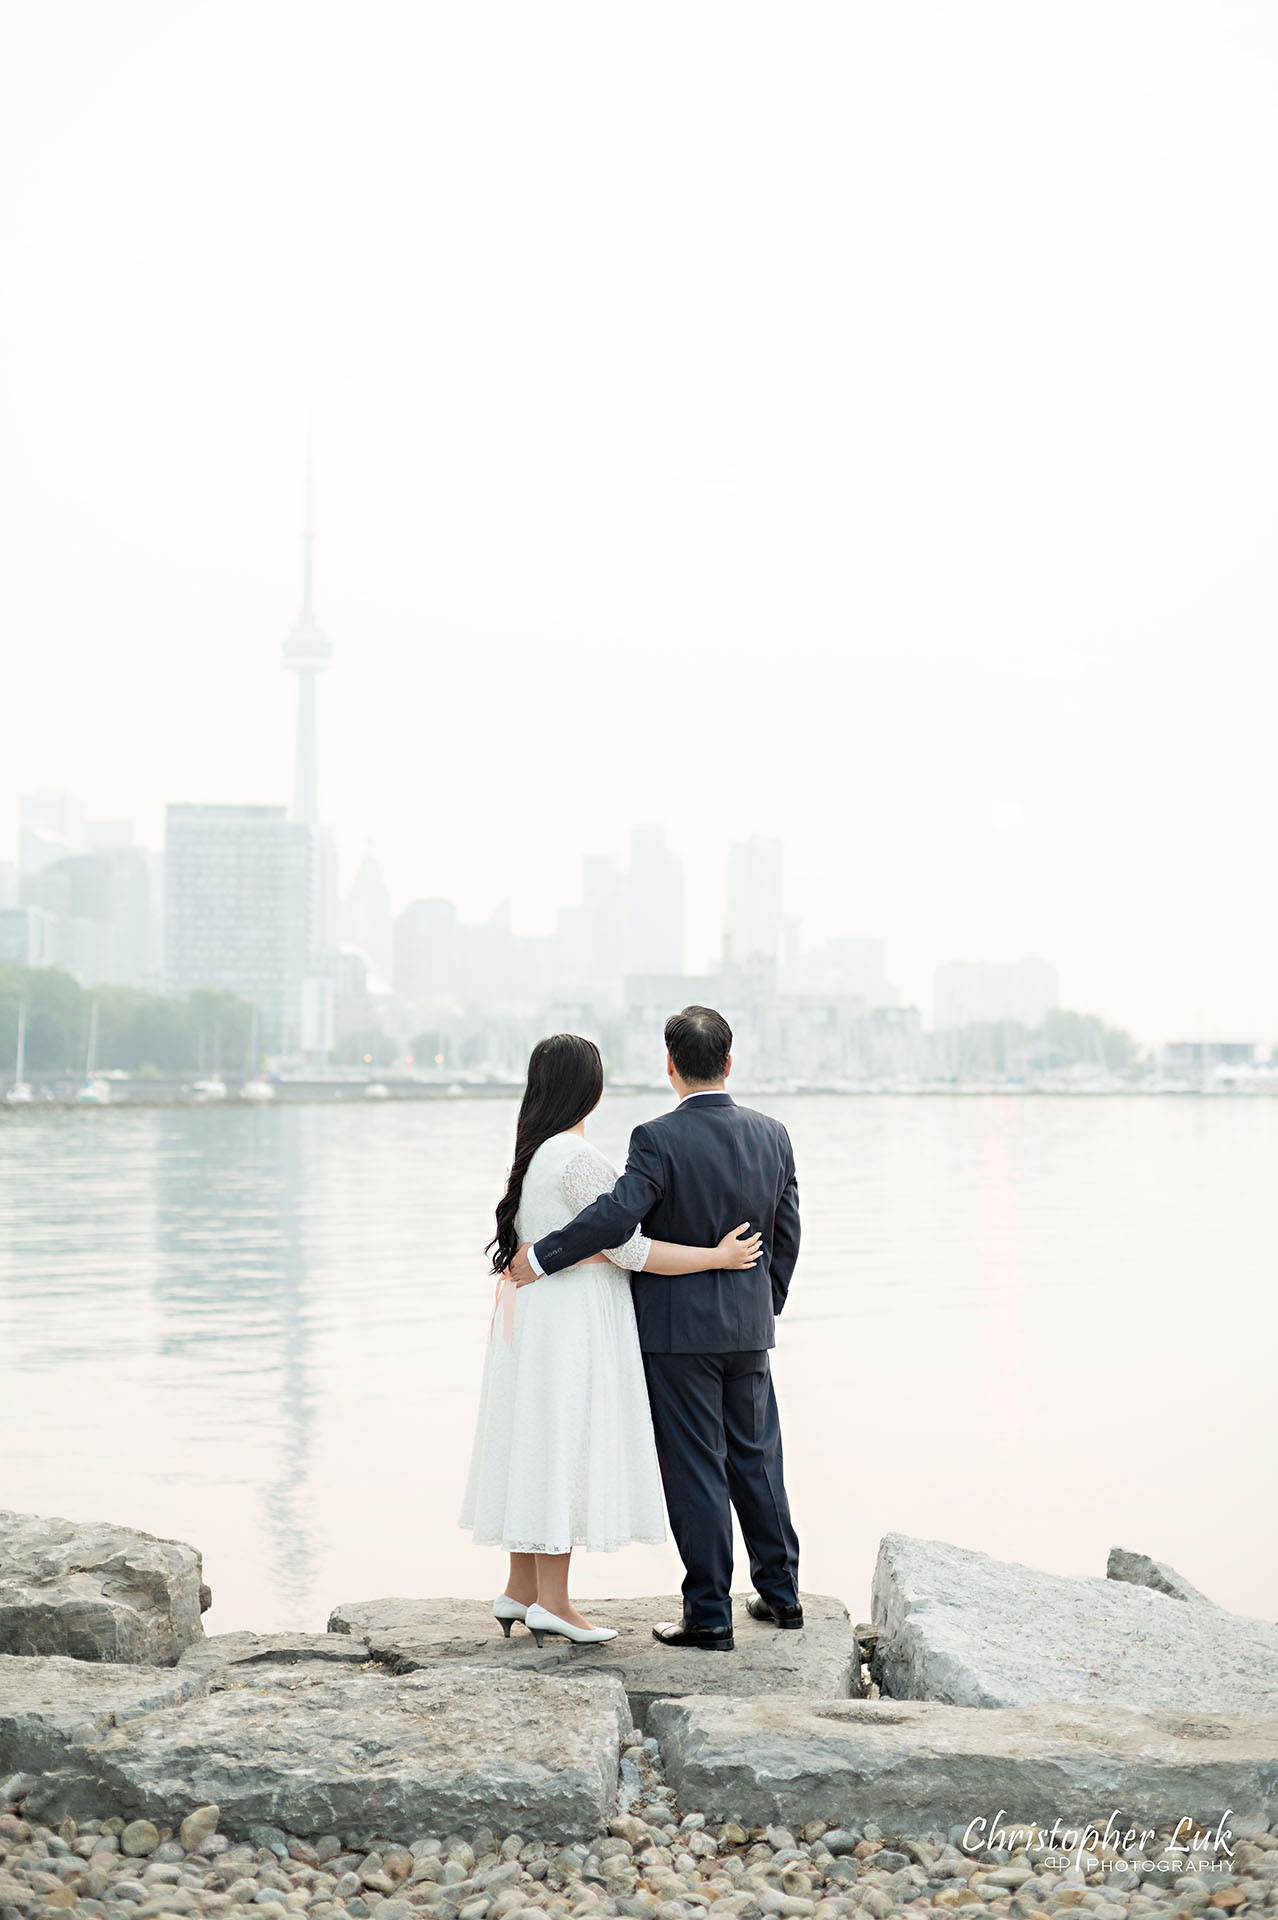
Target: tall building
[
  {"x": 50, "y": 827},
  {"x": 971, "y": 993},
  {"x": 306, "y": 653},
  {"x": 28, "y": 937},
  {"x": 324, "y": 902},
  {"x": 570, "y": 963},
  {"x": 154, "y": 981},
  {"x": 849, "y": 969},
  {"x": 752, "y": 920},
  {"x": 426, "y": 950},
  {"x": 488, "y": 971},
  {"x": 369, "y": 924},
  {"x": 237, "y": 910},
  {"x": 603, "y": 895},
  {"x": 100, "y": 904},
  {"x": 654, "y": 905}
]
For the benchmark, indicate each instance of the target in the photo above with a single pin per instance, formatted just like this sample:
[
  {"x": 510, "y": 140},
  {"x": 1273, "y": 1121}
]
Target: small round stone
[{"x": 139, "y": 1837}]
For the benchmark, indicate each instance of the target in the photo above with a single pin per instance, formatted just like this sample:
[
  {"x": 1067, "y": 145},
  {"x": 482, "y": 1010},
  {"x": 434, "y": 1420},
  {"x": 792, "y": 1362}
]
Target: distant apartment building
[
  {"x": 100, "y": 906},
  {"x": 572, "y": 961},
  {"x": 485, "y": 965},
  {"x": 752, "y": 920},
  {"x": 97, "y": 894},
  {"x": 426, "y": 947},
  {"x": 368, "y": 923},
  {"x": 847, "y": 967},
  {"x": 28, "y": 937},
  {"x": 500, "y": 970},
  {"x": 237, "y": 905},
  {"x": 969, "y": 993},
  {"x": 325, "y": 909},
  {"x": 654, "y": 905},
  {"x": 603, "y": 898},
  {"x": 50, "y": 827}
]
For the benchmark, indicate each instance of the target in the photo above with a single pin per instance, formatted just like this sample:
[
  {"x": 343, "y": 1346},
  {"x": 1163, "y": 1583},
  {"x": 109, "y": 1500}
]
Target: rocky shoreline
[{"x": 412, "y": 1761}]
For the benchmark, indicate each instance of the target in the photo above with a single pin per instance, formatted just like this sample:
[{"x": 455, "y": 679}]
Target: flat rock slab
[
  {"x": 94, "y": 1591},
  {"x": 914, "y": 1766},
  {"x": 219, "y": 1651},
  {"x": 959, "y": 1627},
  {"x": 823, "y": 1658},
  {"x": 45, "y": 1704},
  {"x": 318, "y": 1748}
]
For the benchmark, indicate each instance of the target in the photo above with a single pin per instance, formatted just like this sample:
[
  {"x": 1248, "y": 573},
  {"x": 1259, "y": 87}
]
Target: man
[{"x": 692, "y": 1175}]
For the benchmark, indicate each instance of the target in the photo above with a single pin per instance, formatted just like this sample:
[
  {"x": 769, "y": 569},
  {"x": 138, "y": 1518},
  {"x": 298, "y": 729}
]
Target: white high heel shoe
[
  {"x": 539, "y": 1623},
  {"x": 507, "y": 1611}
]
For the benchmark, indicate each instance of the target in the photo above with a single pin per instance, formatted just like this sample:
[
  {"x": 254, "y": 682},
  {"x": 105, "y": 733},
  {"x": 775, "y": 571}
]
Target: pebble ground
[{"x": 654, "y": 1863}]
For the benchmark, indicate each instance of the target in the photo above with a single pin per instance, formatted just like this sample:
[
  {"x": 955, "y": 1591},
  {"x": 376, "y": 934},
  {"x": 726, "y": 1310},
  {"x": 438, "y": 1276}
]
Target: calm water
[{"x": 1039, "y": 1327}]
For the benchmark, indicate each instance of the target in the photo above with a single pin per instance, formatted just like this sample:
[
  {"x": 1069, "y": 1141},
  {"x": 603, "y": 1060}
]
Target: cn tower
[{"x": 306, "y": 653}]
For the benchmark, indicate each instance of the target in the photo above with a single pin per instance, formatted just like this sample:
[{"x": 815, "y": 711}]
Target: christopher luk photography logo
[{"x": 1192, "y": 1848}]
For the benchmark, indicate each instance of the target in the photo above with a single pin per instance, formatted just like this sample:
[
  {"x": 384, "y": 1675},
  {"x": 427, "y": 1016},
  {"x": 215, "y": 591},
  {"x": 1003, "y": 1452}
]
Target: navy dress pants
[{"x": 719, "y": 1446}]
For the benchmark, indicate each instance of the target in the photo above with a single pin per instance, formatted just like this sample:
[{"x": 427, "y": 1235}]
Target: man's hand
[{"x": 520, "y": 1269}]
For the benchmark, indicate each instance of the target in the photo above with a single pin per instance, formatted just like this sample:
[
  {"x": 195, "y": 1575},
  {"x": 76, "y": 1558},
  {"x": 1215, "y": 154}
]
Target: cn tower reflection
[{"x": 236, "y": 1333}]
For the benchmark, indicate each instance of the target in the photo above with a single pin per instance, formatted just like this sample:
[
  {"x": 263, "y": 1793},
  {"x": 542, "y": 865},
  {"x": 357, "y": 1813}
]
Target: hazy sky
[{"x": 850, "y": 421}]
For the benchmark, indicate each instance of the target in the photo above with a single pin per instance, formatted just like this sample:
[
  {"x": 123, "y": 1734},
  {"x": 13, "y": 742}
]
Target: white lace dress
[{"x": 564, "y": 1454}]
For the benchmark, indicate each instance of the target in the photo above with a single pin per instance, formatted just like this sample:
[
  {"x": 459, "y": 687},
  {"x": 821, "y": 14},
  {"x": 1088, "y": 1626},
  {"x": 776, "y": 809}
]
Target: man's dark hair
[{"x": 699, "y": 1041}]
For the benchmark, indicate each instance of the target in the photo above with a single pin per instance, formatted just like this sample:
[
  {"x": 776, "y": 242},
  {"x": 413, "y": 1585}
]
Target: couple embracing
[{"x": 628, "y": 1350}]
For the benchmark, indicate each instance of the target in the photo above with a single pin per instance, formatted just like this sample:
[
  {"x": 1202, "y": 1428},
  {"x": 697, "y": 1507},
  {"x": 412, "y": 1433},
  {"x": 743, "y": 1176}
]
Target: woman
[{"x": 564, "y": 1454}]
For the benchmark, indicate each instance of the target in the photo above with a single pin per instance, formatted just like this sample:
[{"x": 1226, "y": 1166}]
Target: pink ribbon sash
[{"x": 504, "y": 1297}]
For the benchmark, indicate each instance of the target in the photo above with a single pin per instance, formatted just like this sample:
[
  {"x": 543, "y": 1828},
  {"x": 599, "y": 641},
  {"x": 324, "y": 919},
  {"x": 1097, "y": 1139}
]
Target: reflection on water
[
  {"x": 230, "y": 1203},
  {"x": 1021, "y": 1324}
]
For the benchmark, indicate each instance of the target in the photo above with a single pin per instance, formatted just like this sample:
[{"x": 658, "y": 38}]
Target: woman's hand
[{"x": 740, "y": 1248}]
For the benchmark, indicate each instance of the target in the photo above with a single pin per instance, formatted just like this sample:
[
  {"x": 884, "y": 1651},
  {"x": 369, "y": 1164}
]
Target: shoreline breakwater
[{"x": 995, "y": 1740}]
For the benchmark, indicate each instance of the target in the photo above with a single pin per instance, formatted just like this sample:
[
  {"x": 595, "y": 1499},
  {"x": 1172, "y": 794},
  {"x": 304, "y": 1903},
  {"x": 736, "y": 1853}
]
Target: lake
[{"x": 1036, "y": 1326}]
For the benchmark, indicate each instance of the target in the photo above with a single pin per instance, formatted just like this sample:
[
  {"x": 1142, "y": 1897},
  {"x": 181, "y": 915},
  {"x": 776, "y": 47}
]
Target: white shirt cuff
[{"x": 535, "y": 1264}]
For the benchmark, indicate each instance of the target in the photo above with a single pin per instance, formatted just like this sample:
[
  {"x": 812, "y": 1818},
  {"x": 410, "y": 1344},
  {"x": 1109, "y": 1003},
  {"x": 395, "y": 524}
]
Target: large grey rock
[
  {"x": 95, "y": 1591},
  {"x": 46, "y": 1703},
  {"x": 914, "y": 1766},
  {"x": 408, "y": 1635},
  {"x": 316, "y": 1748},
  {"x": 218, "y": 1651},
  {"x": 960, "y": 1627},
  {"x": 453, "y": 1620},
  {"x": 1138, "y": 1570}
]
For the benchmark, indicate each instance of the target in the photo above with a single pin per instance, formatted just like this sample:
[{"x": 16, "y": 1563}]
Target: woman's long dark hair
[{"x": 565, "y": 1083}]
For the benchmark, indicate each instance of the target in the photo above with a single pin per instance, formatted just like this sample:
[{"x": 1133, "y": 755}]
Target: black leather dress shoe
[
  {"x": 683, "y": 1634},
  {"x": 759, "y": 1609}
]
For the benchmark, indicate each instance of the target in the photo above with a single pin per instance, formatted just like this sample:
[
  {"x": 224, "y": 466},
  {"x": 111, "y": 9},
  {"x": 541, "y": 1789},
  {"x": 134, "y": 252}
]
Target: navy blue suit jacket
[{"x": 691, "y": 1176}]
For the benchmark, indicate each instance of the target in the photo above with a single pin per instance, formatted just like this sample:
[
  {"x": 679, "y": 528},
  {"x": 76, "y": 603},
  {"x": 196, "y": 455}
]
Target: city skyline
[
  {"x": 230, "y": 902},
  {"x": 237, "y": 906},
  {"x": 916, "y": 513},
  {"x": 247, "y": 899}
]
